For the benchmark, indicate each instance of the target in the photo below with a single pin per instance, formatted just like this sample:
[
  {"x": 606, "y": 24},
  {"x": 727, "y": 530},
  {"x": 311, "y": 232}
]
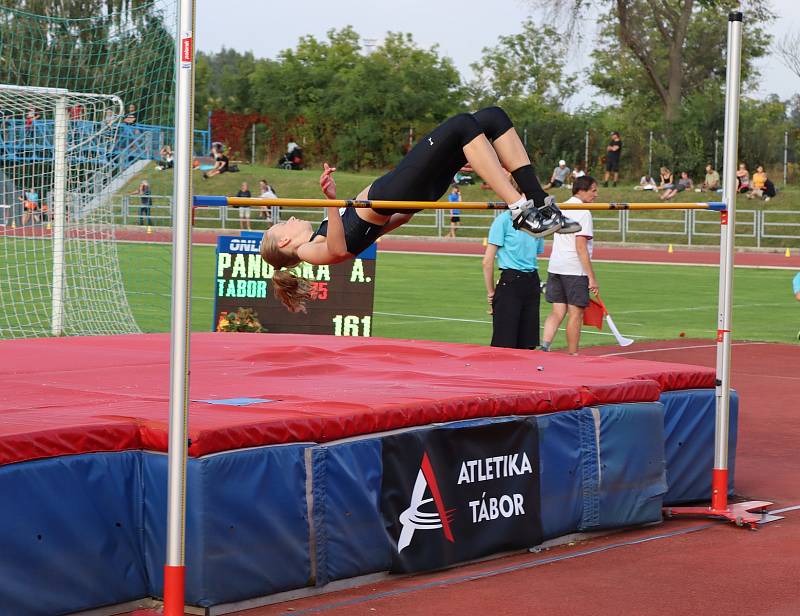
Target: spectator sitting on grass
[
  {"x": 763, "y": 188},
  {"x": 167, "y": 160},
  {"x": 742, "y": 179},
  {"x": 577, "y": 172},
  {"x": 559, "y": 176},
  {"x": 684, "y": 183},
  {"x": 665, "y": 175},
  {"x": 646, "y": 183},
  {"x": 711, "y": 182},
  {"x": 220, "y": 162}
]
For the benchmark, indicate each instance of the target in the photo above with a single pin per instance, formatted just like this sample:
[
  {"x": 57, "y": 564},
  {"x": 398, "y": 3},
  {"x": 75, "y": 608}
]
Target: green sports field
[{"x": 442, "y": 298}]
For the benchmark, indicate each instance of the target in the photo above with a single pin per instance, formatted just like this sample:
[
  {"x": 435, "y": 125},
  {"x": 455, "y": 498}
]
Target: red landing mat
[{"x": 79, "y": 395}]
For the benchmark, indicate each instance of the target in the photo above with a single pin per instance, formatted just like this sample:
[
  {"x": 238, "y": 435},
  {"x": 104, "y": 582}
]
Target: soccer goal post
[{"x": 59, "y": 272}]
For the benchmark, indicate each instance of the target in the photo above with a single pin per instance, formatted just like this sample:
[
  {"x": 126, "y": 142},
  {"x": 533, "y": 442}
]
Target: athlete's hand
[{"x": 326, "y": 181}]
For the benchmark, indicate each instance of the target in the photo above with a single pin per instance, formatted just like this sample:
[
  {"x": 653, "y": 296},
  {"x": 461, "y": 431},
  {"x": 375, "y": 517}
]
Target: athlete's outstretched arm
[
  {"x": 326, "y": 181},
  {"x": 318, "y": 253},
  {"x": 335, "y": 240}
]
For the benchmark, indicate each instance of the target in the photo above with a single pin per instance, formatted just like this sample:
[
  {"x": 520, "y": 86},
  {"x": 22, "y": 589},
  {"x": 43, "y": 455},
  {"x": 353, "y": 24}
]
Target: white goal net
[{"x": 59, "y": 269}]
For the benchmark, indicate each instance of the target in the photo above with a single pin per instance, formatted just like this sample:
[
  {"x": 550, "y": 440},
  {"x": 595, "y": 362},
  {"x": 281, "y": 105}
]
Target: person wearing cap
[{"x": 559, "y": 176}]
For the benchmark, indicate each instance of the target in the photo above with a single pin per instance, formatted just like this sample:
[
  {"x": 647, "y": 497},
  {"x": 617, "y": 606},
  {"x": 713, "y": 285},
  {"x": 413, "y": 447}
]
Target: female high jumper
[{"x": 486, "y": 139}]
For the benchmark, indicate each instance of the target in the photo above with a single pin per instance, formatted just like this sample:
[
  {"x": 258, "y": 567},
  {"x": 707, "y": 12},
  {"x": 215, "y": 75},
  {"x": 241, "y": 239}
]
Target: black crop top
[{"x": 358, "y": 233}]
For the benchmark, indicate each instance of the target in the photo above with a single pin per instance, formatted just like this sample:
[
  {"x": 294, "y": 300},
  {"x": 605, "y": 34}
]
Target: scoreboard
[{"x": 344, "y": 291}]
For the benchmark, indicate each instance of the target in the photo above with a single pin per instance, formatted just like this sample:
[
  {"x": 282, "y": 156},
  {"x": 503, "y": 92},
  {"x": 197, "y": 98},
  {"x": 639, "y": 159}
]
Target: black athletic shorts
[
  {"x": 612, "y": 163},
  {"x": 567, "y": 289},
  {"x": 455, "y": 219},
  {"x": 426, "y": 172}
]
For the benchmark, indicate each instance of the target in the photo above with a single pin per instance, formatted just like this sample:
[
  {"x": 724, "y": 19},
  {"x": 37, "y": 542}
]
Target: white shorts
[{"x": 244, "y": 212}]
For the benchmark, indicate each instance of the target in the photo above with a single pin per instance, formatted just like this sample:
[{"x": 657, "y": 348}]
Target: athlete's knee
[
  {"x": 465, "y": 126},
  {"x": 493, "y": 121}
]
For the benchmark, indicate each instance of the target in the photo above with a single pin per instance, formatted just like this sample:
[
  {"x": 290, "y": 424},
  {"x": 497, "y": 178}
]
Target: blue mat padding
[
  {"x": 93, "y": 526},
  {"x": 350, "y": 536},
  {"x": 246, "y": 524},
  {"x": 71, "y": 534},
  {"x": 632, "y": 478},
  {"x": 599, "y": 468},
  {"x": 689, "y": 422}
]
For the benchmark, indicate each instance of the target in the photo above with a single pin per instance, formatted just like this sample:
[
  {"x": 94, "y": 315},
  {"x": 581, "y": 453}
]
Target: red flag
[{"x": 593, "y": 314}]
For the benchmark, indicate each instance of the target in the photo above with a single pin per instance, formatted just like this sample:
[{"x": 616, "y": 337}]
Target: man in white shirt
[{"x": 570, "y": 276}]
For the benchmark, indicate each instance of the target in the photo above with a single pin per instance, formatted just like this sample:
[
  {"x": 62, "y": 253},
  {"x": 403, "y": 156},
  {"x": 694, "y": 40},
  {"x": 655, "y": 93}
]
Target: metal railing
[
  {"x": 756, "y": 228},
  {"x": 34, "y": 143}
]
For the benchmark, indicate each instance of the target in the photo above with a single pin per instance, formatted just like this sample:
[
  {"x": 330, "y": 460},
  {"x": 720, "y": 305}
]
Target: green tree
[
  {"x": 529, "y": 65},
  {"x": 525, "y": 74},
  {"x": 121, "y": 48},
  {"x": 396, "y": 87},
  {"x": 224, "y": 80},
  {"x": 295, "y": 90},
  {"x": 352, "y": 108},
  {"x": 660, "y": 52}
]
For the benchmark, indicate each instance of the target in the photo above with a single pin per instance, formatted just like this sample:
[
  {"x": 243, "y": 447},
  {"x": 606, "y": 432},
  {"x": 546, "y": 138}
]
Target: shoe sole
[{"x": 547, "y": 232}]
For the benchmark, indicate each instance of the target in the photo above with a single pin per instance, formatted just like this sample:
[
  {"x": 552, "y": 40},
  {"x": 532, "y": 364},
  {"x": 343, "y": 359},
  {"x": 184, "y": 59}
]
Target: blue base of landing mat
[{"x": 79, "y": 532}]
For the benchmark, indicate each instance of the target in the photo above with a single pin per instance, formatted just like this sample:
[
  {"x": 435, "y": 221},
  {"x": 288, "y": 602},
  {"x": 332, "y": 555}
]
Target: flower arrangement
[{"x": 243, "y": 320}]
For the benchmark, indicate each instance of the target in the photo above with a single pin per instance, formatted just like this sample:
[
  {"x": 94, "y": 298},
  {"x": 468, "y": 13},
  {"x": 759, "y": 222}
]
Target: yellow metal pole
[{"x": 207, "y": 201}]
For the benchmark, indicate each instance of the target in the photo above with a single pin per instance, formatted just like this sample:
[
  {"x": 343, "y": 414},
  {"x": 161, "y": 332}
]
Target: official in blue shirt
[{"x": 515, "y": 299}]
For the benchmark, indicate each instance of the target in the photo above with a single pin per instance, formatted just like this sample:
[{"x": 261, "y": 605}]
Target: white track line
[
  {"x": 619, "y": 261},
  {"x": 694, "y": 308},
  {"x": 481, "y": 321},
  {"x": 431, "y": 318},
  {"x": 678, "y": 348}
]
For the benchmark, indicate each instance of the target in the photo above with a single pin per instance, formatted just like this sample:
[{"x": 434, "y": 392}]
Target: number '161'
[{"x": 351, "y": 325}]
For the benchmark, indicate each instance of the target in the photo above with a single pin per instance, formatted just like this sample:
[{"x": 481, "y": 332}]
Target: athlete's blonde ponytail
[{"x": 293, "y": 292}]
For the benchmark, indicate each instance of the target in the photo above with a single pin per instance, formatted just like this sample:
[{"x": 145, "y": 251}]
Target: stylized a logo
[
  {"x": 413, "y": 519},
  {"x": 430, "y": 140}
]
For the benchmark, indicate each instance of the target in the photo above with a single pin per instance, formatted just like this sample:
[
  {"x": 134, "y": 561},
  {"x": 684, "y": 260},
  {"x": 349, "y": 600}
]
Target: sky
[{"x": 461, "y": 30}]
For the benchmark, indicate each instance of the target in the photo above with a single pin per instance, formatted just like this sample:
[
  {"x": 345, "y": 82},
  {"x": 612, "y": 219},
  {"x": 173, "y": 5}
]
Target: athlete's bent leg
[
  {"x": 499, "y": 129},
  {"x": 483, "y": 158},
  {"x": 497, "y": 126}
]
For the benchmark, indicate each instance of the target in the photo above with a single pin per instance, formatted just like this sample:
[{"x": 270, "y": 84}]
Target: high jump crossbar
[{"x": 215, "y": 201}]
